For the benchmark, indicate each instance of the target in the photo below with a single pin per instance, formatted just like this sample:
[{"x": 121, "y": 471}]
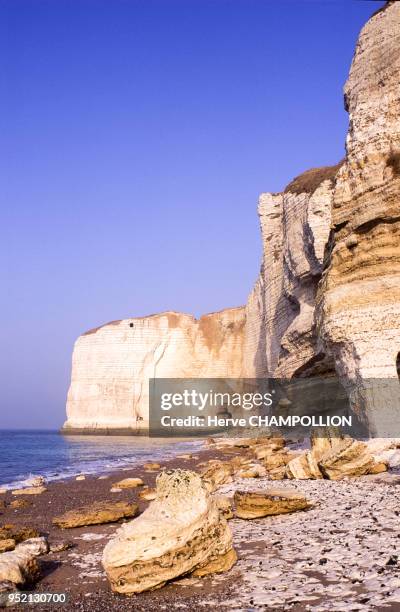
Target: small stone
[
  {"x": 57, "y": 547},
  {"x": 36, "y": 481},
  {"x": 147, "y": 494},
  {"x": 151, "y": 466},
  {"x": 129, "y": 483},
  {"x": 224, "y": 506},
  {"x": 19, "y": 503},
  {"x": 81, "y": 477}
]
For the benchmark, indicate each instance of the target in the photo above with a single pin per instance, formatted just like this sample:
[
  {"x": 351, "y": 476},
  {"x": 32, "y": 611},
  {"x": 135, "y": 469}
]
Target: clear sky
[{"x": 137, "y": 135}]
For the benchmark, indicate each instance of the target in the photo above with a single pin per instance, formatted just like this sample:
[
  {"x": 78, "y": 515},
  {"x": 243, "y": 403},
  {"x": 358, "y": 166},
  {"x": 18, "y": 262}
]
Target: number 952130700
[{"x": 27, "y": 597}]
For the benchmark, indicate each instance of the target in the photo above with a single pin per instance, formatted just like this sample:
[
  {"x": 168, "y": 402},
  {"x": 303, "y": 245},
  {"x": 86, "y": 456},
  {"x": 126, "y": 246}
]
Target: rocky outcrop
[
  {"x": 327, "y": 299},
  {"x": 359, "y": 296},
  {"x": 181, "y": 531},
  {"x": 328, "y": 296},
  {"x": 295, "y": 226},
  {"x": 96, "y": 514}
]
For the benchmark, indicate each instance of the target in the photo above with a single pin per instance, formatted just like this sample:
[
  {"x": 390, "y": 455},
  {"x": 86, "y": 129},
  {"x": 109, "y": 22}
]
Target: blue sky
[{"x": 137, "y": 136}]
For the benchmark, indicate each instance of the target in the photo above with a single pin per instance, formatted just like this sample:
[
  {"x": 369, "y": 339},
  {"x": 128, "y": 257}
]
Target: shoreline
[
  {"x": 78, "y": 570},
  {"x": 333, "y": 557},
  {"x": 97, "y": 466}
]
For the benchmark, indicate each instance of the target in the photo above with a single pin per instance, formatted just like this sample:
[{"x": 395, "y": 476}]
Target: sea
[{"x": 24, "y": 454}]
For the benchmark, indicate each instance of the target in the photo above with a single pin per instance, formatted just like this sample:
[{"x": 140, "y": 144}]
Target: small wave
[{"x": 106, "y": 464}]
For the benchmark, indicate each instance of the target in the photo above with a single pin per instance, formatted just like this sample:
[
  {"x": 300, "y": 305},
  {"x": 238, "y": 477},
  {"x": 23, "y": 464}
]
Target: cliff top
[
  {"x": 172, "y": 316},
  {"x": 310, "y": 180}
]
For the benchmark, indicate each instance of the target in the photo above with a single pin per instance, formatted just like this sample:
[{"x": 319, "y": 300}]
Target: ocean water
[{"x": 27, "y": 453}]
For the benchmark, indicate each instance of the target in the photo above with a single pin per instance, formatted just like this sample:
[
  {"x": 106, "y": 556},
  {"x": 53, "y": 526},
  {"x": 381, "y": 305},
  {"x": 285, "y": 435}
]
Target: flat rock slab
[
  {"x": 129, "y": 483},
  {"x": 95, "y": 514},
  {"x": 256, "y": 504},
  {"x": 29, "y": 491}
]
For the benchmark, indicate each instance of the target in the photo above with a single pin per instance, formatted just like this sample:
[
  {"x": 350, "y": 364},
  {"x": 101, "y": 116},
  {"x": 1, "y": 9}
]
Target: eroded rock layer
[
  {"x": 359, "y": 297},
  {"x": 182, "y": 531},
  {"x": 295, "y": 227}
]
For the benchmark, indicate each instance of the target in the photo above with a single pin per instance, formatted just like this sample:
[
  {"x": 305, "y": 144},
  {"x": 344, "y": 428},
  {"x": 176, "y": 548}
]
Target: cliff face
[
  {"x": 359, "y": 297},
  {"x": 111, "y": 365},
  {"x": 327, "y": 298},
  {"x": 295, "y": 226}
]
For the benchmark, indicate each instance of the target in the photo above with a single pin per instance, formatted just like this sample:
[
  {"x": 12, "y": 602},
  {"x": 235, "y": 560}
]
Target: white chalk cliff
[
  {"x": 327, "y": 298},
  {"x": 112, "y": 365}
]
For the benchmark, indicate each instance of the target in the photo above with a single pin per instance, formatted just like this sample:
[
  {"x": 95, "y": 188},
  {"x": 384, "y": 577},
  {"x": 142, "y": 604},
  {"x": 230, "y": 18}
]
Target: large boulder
[
  {"x": 351, "y": 458},
  {"x": 20, "y": 566},
  {"x": 96, "y": 514},
  {"x": 182, "y": 531},
  {"x": 255, "y": 504},
  {"x": 334, "y": 456}
]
